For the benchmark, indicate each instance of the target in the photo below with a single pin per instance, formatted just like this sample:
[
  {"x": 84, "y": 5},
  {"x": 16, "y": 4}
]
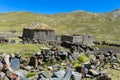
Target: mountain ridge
[{"x": 103, "y": 25}]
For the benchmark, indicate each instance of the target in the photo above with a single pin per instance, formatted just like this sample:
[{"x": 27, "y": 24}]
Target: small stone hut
[
  {"x": 40, "y": 32},
  {"x": 80, "y": 39}
]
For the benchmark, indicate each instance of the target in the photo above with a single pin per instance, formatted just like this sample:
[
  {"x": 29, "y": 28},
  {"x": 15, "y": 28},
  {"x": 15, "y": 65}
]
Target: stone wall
[
  {"x": 8, "y": 35},
  {"x": 88, "y": 40},
  {"x": 40, "y": 35},
  {"x": 82, "y": 39},
  {"x": 44, "y": 35},
  {"x": 68, "y": 38}
]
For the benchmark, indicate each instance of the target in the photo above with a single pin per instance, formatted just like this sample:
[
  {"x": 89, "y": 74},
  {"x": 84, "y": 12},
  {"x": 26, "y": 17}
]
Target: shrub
[
  {"x": 28, "y": 75},
  {"x": 82, "y": 58},
  {"x": 76, "y": 64}
]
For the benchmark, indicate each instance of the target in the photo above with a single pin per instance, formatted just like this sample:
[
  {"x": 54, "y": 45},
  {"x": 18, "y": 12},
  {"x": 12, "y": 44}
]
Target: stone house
[{"x": 40, "y": 32}]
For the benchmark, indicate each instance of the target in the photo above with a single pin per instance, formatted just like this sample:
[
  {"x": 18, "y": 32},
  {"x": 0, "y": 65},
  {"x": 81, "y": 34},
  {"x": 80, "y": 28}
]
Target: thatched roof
[{"x": 39, "y": 26}]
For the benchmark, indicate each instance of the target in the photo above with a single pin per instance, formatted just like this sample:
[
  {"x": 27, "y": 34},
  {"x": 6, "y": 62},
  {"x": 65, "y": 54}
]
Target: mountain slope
[{"x": 105, "y": 26}]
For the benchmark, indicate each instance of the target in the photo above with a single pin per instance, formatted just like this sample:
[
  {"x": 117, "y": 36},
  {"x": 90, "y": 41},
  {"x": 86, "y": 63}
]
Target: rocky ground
[{"x": 54, "y": 64}]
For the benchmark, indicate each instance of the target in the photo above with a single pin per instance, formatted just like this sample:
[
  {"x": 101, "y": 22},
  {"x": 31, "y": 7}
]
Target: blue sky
[{"x": 58, "y": 6}]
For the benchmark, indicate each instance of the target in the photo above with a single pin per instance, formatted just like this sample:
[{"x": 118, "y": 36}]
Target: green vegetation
[
  {"x": 82, "y": 58},
  {"x": 104, "y": 26},
  {"x": 31, "y": 74},
  {"x": 21, "y": 48},
  {"x": 77, "y": 64},
  {"x": 115, "y": 74}
]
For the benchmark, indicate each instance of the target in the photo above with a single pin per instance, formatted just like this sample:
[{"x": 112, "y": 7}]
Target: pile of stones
[{"x": 55, "y": 64}]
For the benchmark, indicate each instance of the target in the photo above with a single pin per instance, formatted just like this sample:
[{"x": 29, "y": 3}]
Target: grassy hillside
[{"x": 105, "y": 26}]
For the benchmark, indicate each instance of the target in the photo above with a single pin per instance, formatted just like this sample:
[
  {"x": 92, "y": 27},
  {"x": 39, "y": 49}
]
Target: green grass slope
[{"x": 105, "y": 26}]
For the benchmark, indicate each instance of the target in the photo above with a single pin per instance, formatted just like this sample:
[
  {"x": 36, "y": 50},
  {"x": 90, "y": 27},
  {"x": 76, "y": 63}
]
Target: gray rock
[
  {"x": 2, "y": 76},
  {"x": 77, "y": 76},
  {"x": 68, "y": 75},
  {"x": 1, "y": 66},
  {"x": 60, "y": 74},
  {"x": 75, "y": 55},
  {"x": 15, "y": 63}
]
